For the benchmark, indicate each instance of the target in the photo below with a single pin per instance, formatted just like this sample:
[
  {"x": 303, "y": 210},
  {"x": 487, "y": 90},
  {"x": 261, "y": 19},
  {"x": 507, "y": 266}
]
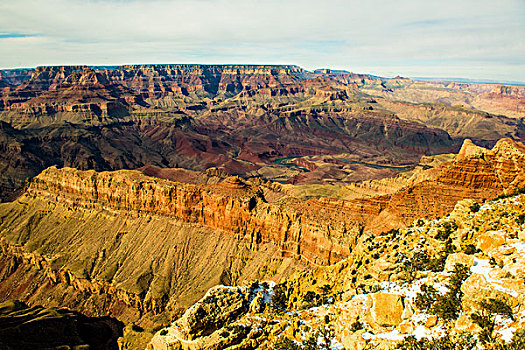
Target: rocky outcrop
[
  {"x": 131, "y": 263},
  {"x": 380, "y": 297},
  {"x": 242, "y": 208},
  {"x": 142, "y": 248},
  {"x": 136, "y": 83},
  {"x": 80, "y": 228}
]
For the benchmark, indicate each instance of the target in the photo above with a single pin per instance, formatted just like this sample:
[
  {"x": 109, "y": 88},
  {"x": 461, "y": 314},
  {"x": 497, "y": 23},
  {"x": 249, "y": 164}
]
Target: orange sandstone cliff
[{"x": 130, "y": 245}]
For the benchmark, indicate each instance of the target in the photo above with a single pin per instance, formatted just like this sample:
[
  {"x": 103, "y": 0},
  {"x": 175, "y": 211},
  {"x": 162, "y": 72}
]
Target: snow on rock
[
  {"x": 520, "y": 247},
  {"x": 507, "y": 333},
  {"x": 482, "y": 267}
]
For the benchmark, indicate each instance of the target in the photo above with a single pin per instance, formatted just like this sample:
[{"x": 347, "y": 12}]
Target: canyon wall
[{"x": 131, "y": 246}]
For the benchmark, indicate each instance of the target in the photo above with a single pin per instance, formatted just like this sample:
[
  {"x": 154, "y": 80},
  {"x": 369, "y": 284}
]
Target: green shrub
[
  {"x": 520, "y": 219},
  {"x": 426, "y": 298},
  {"x": 438, "y": 263},
  {"x": 279, "y": 299},
  {"x": 470, "y": 249},
  {"x": 459, "y": 275},
  {"x": 422, "y": 261},
  {"x": 462, "y": 341},
  {"x": 310, "y": 343},
  {"x": 447, "y": 306},
  {"x": 326, "y": 289},
  {"x": 287, "y": 344},
  {"x": 310, "y": 297},
  {"x": 354, "y": 327},
  {"x": 447, "y": 228},
  {"x": 486, "y": 317}
]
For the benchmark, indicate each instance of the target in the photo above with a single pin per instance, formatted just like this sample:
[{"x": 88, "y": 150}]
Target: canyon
[
  {"x": 237, "y": 117},
  {"x": 143, "y": 248},
  {"x": 140, "y": 197},
  {"x": 427, "y": 286}
]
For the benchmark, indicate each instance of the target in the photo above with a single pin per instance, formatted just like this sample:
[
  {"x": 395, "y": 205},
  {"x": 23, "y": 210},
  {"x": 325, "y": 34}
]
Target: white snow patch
[
  {"x": 408, "y": 290},
  {"x": 484, "y": 207},
  {"x": 440, "y": 288},
  {"x": 336, "y": 345},
  {"x": 482, "y": 267},
  {"x": 420, "y": 318},
  {"x": 394, "y": 335},
  {"x": 359, "y": 296},
  {"x": 420, "y": 332},
  {"x": 502, "y": 320},
  {"x": 368, "y": 336},
  {"x": 507, "y": 333},
  {"x": 520, "y": 247}
]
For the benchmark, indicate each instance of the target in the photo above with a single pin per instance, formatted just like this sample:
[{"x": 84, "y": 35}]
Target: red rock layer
[
  {"x": 318, "y": 230},
  {"x": 126, "y": 244}
]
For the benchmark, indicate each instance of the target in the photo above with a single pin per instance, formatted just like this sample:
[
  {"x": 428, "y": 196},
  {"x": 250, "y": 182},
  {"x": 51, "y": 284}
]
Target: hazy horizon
[
  {"x": 436, "y": 78},
  {"x": 477, "y": 40}
]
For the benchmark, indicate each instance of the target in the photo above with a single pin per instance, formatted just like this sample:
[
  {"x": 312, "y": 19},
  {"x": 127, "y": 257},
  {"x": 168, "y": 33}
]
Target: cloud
[{"x": 425, "y": 37}]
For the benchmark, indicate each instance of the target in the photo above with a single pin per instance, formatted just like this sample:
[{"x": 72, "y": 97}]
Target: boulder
[
  {"x": 464, "y": 324},
  {"x": 406, "y": 328},
  {"x": 387, "y": 309},
  {"x": 458, "y": 258},
  {"x": 431, "y": 321},
  {"x": 221, "y": 305},
  {"x": 491, "y": 240},
  {"x": 355, "y": 341}
]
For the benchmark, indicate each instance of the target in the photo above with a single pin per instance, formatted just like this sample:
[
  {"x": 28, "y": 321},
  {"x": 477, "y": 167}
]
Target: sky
[{"x": 474, "y": 39}]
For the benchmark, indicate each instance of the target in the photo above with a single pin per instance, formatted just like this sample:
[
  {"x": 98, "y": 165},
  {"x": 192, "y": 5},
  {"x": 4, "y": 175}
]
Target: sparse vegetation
[
  {"x": 462, "y": 341},
  {"x": 421, "y": 261},
  {"x": 470, "y": 249},
  {"x": 447, "y": 228},
  {"x": 287, "y": 344},
  {"x": 426, "y": 298},
  {"x": 448, "y": 305},
  {"x": 485, "y": 318},
  {"x": 312, "y": 299},
  {"x": 279, "y": 299},
  {"x": 474, "y": 207},
  {"x": 357, "y": 325}
]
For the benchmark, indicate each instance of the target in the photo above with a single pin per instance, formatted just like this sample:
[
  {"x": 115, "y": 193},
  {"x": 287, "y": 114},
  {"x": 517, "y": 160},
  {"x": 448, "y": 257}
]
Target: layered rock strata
[
  {"x": 134, "y": 247},
  {"x": 380, "y": 296}
]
